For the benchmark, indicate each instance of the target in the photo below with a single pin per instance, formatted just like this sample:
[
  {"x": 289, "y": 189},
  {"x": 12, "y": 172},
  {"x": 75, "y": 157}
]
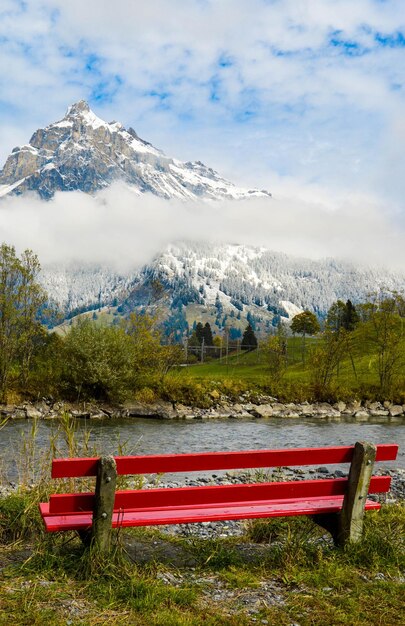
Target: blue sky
[{"x": 302, "y": 97}]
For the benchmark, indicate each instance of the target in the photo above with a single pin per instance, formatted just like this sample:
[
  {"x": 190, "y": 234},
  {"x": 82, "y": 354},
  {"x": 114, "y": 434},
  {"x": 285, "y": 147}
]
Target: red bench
[{"x": 337, "y": 504}]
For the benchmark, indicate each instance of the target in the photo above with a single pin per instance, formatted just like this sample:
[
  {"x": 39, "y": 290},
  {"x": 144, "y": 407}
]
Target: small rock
[
  {"x": 362, "y": 415},
  {"x": 340, "y": 406},
  {"x": 264, "y": 410},
  {"x": 340, "y": 474},
  {"x": 31, "y": 412}
]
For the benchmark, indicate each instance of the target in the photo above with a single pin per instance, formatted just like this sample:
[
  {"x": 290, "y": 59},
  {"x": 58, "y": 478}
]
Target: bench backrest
[
  {"x": 211, "y": 494},
  {"x": 207, "y": 461}
]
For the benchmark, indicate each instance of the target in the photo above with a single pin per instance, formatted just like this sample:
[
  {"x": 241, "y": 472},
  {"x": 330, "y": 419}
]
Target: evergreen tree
[
  {"x": 342, "y": 316},
  {"x": 235, "y": 333},
  {"x": 351, "y": 317},
  {"x": 249, "y": 341},
  {"x": 251, "y": 320},
  {"x": 199, "y": 331},
  {"x": 207, "y": 335},
  {"x": 194, "y": 346},
  {"x": 218, "y": 305}
]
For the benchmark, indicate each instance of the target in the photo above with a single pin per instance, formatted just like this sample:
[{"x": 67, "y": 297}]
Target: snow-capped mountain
[
  {"x": 82, "y": 152},
  {"x": 226, "y": 281}
]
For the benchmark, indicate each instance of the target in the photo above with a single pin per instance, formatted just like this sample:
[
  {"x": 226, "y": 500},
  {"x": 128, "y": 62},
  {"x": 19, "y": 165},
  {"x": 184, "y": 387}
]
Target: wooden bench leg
[
  {"x": 347, "y": 526},
  {"x": 352, "y": 513},
  {"x": 104, "y": 503}
]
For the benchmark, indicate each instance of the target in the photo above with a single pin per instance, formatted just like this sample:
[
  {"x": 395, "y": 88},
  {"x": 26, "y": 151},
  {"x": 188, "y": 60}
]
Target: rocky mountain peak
[
  {"x": 83, "y": 152},
  {"x": 77, "y": 108}
]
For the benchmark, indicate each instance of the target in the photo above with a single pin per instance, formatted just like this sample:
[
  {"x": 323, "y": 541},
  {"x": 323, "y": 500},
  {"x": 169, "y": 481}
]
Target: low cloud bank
[{"x": 122, "y": 230}]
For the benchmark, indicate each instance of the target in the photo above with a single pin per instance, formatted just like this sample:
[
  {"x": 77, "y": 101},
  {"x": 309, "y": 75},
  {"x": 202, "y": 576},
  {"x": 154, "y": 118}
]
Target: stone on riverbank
[
  {"x": 157, "y": 410},
  {"x": 395, "y": 410},
  {"x": 224, "y": 408}
]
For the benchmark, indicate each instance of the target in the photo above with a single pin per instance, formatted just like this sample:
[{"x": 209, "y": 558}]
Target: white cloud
[{"x": 117, "y": 228}]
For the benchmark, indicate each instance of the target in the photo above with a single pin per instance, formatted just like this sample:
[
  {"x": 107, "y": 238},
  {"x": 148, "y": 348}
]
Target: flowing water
[{"x": 146, "y": 436}]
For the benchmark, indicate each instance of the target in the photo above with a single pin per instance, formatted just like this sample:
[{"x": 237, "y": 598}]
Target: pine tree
[
  {"x": 207, "y": 335},
  {"x": 350, "y": 318},
  {"x": 199, "y": 331},
  {"x": 249, "y": 341},
  {"x": 218, "y": 305}
]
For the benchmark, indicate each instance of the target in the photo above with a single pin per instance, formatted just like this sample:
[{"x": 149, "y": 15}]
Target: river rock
[
  {"x": 278, "y": 409},
  {"x": 362, "y": 415},
  {"x": 159, "y": 410},
  {"x": 7, "y": 410},
  {"x": 306, "y": 409},
  {"x": 239, "y": 411},
  {"x": 84, "y": 415},
  {"x": 395, "y": 409},
  {"x": 379, "y": 412},
  {"x": 224, "y": 410},
  {"x": 352, "y": 407},
  {"x": 340, "y": 406},
  {"x": 324, "y": 409},
  {"x": 32, "y": 412},
  {"x": 264, "y": 410},
  {"x": 289, "y": 413},
  {"x": 42, "y": 406},
  {"x": 373, "y": 406}
]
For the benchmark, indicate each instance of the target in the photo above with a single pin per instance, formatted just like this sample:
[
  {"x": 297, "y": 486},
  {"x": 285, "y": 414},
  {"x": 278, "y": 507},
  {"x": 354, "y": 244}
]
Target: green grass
[
  {"x": 52, "y": 579},
  {"x": 250, "y": 371}
]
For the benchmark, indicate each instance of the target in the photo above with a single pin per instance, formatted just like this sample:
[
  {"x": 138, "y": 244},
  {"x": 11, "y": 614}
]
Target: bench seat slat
[
  {"x": 198, "y": 513},
  {"x": 206, "y": 495},
  {"x": 167, "y": 463}
]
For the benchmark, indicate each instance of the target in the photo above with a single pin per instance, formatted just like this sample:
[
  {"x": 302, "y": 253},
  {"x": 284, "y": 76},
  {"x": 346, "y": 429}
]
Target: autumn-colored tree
[
  {"x": 21, "y": 298},
  {"x": 305, "y": 323}
]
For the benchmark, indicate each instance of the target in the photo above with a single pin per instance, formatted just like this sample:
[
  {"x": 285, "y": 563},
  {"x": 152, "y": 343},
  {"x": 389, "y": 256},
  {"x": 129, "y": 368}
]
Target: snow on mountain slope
[
  {"x": 231, "y": 277},
  {"x": 83, "y": 152}
]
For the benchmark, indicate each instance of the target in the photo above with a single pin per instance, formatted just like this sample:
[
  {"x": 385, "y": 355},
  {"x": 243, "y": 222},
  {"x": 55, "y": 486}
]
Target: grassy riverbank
[
  {"x": 356, "y": 376},
  {"x": 293, "y": 576}
]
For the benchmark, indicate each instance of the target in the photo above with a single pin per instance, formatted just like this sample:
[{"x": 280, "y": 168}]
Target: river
[{"x": 146, "y": 436}]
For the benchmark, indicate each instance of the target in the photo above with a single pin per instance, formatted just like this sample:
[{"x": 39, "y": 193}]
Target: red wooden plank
[
  {"x": 387, "y": 452},
  {"x": 186, "y": 515},
  {"x": 167, "y": 463},
  {"x": 188, "y": 496}
]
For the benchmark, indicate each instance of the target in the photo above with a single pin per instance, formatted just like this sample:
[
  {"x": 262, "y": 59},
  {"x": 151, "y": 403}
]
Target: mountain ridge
[
  {"x": 83, "y": 152},
  {"x": 219, "y": 283}
]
